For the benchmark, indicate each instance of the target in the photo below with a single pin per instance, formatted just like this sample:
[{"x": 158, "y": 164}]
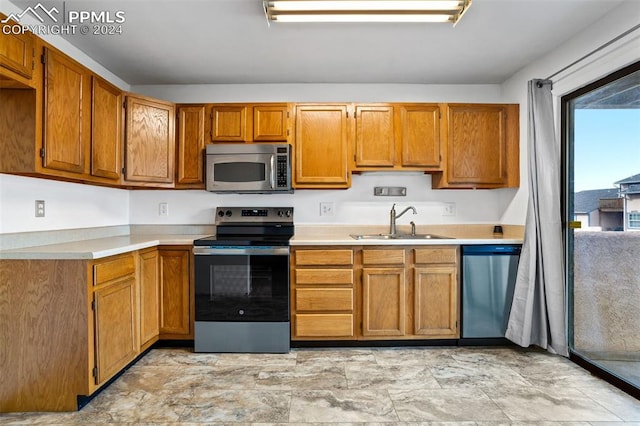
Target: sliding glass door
[{"x": 601, "y": 130}]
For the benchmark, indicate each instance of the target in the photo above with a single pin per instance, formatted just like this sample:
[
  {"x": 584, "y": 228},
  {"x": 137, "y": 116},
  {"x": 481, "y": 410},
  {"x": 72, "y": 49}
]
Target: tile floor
[{"x": 408, "y": 386}]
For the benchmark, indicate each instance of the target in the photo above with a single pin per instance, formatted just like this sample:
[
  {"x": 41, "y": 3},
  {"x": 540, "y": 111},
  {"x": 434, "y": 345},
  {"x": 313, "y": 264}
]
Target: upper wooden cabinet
[
  {"x": 190, "y": 146},
  {"x": 17, "y": 54},
  {"x": 149, "y": 142},
  {"x": 322, "y": 146},
  {"x": 481, "y": 148},
  {"x": 249, "y": 122},
  {"x": 418, "y": 127},
  {"x": 106, "y": 130},
  {"x": 397, "y": 137},
  {"x": 66, "y": 97},
  {"x": 374, "y": 139}
]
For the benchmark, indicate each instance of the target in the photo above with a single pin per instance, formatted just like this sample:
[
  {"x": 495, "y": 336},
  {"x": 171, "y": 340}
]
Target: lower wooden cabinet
[
  {"x": 149, "y": 273},
  {"x": 176, "y": 318},
  {"x": 322, "y": 294},
  {"x": 410, "y": 293},
  {"x": 375, "y": 293}
]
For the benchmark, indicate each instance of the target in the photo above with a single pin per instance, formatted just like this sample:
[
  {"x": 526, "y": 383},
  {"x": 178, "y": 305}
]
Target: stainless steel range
[{"x": 242, "y": 281}]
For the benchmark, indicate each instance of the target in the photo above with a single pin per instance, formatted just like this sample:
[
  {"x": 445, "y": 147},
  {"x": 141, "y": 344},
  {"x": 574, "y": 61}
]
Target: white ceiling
[{"x": 229, "y": 41}]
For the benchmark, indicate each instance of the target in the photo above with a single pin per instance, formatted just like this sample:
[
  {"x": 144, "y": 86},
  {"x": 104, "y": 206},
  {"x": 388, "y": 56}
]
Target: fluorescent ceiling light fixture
[{"x": 365, "y": 11}]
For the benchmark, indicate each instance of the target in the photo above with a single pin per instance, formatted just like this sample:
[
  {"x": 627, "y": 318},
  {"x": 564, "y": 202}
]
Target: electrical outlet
[
  {"x": 39, "y": 208},
  {"x": 449, "y": 209},
  {"x": 163, "y": 209},
  {"x": 327, "y": 208}
]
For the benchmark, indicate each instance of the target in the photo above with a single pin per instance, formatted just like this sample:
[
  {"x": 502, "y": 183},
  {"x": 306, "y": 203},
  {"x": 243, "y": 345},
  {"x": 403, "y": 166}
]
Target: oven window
[
  {"x": 242, "y": 288},
  {"x": 239, "y": 172}
]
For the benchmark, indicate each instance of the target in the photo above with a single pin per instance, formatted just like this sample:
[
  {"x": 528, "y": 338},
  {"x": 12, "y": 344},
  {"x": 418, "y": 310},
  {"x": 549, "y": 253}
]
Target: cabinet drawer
[
  {"x": 324, "y": 299},
  {"x": 324, "y": 257},
  {"x": 382, "y": 257},
  {"x": 324, "y": 325},
  {"x": 324, "y": 276},
  {"x": 436, "y": 255},
  {"x": 112, "y": 268}
]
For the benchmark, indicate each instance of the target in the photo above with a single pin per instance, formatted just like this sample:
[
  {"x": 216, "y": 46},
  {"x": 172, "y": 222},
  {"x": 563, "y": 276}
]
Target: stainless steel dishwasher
[{"x": 488, "y": 279}]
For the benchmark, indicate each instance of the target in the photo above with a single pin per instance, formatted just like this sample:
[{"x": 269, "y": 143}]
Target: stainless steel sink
[{"x": 399, "y": 237}]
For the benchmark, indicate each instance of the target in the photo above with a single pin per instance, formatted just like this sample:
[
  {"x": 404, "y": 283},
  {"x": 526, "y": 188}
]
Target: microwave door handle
[{"x": 273, "y": 172}]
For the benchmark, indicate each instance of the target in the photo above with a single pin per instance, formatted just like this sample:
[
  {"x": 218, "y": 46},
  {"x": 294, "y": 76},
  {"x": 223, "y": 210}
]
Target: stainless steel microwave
[{"x": 248, "y": 168}]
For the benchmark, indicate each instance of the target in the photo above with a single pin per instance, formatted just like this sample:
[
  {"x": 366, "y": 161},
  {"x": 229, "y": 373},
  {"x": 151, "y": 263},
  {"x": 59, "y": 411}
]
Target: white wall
[
  {"x": 356, "y": 205},
  {"x": 203, "y": 93},
  {"x": 612, "y": 58},
  {"x": 67, "y": 205}
]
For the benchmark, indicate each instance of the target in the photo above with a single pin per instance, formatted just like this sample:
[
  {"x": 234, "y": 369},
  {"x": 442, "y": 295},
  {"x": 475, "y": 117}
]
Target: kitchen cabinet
[
  {"x": 190, "y": 145},
  {"x": 435, "y": 292},
  {"x": 65, "y": 133},
  {"x": 374, "y": 138},
  {"x": 322, "y": 146},
  {"x": 249, "y": 122},
  {"x": 149, "y": 273},
  {"x": 176, "y": 310},
  {"x": 384, "y": 292},
  {"x": 115, "y": 315},
  {"x": 418, "y": 126},
  {"x": 17, "y": 53},
  {"x": 149, "y": 142},
  {"x": 410, "y": 293},
  {"x": 106, "y": 130},
  {"x": 322, "y": 294},
  {"x": 481, "y": 146},
  {"x": 68, "y": 127},
  {"x": 74, "y": 324}
]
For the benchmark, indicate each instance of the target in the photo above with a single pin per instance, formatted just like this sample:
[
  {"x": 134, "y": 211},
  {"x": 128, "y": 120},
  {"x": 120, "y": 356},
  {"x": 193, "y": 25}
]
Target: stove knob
[
  {"x": 228, "y": 213},
  {"x": 220, "y": 213},
  {"x": 280, "y": 213},
  {"x": 288, "y": 213}
]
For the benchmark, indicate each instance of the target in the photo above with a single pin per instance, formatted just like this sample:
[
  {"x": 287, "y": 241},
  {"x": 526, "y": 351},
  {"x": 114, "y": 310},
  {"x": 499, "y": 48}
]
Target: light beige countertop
[
  {"x": 459, "y": 234},
  {"x": 99, "y": 247}
]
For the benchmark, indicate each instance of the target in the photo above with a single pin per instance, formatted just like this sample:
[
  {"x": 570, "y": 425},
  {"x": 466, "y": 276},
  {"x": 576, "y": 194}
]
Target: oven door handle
[{"x": 221, "y": 251}]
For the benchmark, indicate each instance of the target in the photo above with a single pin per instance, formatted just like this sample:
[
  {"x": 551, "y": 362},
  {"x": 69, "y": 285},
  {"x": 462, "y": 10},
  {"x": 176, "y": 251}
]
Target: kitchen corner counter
[
  {"x": 97, "y": 248},
  {"x": 460, "y": 235}
]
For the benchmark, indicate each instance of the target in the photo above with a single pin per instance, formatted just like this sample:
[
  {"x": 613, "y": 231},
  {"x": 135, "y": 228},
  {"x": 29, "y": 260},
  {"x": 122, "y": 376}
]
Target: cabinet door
[
  {"x": 229, "y": 123},
  {"x": 149, "y": 296},
  {"x": 420, "y": 130},
  {"x": 106, "y": 129},
  {"x": 190, "y": 145},
  {"x": 375, "y": 143},
  {"x": 383, "y": 301},
  {"x": 321, "y": 146},
  {"x": 175, "y": 295},
  {"x": 116, "y": 336},
  {"x": 477, "y": 145},
  {"x": 436, "y": 301},
  {"x": 16, "y": 52},
  {"x": 270, "y": 123},
  {"x": 63, "y": 143},
  {"x": 149, "y": 140}
]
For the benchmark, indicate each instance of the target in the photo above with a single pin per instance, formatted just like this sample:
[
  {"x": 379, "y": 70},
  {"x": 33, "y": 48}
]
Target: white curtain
[{"x": 538, "y": 310}]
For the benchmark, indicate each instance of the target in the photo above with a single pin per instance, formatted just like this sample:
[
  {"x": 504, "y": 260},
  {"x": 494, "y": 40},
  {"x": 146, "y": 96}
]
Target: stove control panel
[{"x": 253, "y": 215}]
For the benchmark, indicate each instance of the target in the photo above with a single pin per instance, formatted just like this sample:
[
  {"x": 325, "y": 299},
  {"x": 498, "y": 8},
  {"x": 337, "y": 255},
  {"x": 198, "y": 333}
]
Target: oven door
[
  {"x": 242, "y": 284},
  {"x": 241, "y": 173}
]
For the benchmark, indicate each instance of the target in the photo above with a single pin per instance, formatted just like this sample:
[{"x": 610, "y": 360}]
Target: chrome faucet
[{"x": 393, "y": 217}]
